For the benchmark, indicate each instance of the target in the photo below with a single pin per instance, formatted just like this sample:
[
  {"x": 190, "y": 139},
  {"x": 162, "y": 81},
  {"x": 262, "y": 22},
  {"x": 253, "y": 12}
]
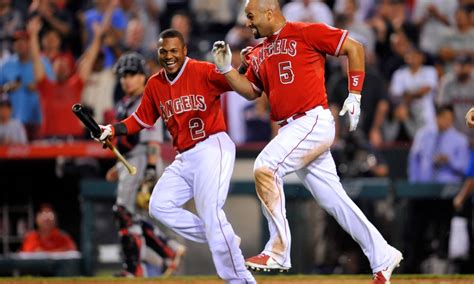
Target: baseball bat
[{"x": 89, "y": 122}]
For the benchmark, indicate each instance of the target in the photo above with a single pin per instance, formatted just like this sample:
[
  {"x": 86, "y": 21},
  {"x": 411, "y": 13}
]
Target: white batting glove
[
  {"x": 352, "y": 107},
  {"x": 222, "y": 56},
  {"x": 107, "y": 133}
]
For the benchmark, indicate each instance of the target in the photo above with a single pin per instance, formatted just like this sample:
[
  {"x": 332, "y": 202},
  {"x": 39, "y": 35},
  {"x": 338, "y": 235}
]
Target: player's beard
[{"x": 256, "y": 32}]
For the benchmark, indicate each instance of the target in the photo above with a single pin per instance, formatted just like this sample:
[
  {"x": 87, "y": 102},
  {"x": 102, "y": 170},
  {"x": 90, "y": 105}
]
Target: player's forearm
[
  {"x": 241, "y": 85},
  {"x": 356, "y": 59},
  {"x": 127, "y": 126}
]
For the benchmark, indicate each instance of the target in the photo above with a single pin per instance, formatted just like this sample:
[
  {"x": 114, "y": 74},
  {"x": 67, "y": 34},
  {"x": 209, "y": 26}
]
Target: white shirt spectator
[
  {"x": 421, "y": 109},
  {"x": 308, "y": 11},
  {"x": 235, "y": 105},
  {"x": 98, "y": 93},
  {"x": 13, "y": 132},
  {"x": 432, "y": 28}
]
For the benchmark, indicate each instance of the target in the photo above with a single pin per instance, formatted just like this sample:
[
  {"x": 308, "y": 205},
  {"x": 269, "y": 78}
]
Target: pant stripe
[
  {"x": 280, "y": 163},
  {"x": 217, "y": 210}
]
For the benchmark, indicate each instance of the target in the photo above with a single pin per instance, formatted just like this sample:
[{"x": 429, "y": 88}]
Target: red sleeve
[
  {"x": 147, "y": 112},
  {"x": 217, "y": 80},
  {"x": 250, "y": 74},
  {"x": 30, "y": 243},
  {"x": 324, "y": 38}
]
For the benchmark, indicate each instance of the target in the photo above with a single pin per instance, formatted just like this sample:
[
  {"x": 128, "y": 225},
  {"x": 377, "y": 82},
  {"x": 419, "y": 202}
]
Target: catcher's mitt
[{"x": 146, "y": 188}]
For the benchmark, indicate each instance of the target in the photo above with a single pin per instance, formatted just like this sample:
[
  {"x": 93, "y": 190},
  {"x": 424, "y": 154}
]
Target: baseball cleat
[
  {"x": 383, "y": 276},
  {"x": 265, "y": 263}
]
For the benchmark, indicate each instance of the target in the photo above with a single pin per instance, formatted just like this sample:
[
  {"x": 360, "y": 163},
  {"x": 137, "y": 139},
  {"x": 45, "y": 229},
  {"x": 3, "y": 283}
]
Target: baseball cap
[{"x": 464, "y": 59}]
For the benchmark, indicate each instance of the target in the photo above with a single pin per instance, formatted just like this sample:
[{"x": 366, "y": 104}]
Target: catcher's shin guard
[
  {"x": 123, "y": 217},
  {"x": 156, "y": 243},
  {"x": 131, "y": 246}
]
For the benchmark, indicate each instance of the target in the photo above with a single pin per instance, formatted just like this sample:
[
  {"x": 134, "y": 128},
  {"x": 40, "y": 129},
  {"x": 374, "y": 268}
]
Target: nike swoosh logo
[{"x": 353, "y": 110}]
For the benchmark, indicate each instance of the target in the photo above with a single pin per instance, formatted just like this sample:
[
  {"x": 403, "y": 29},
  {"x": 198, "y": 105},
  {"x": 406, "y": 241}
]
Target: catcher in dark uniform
[{"x": 142, "y": 242}]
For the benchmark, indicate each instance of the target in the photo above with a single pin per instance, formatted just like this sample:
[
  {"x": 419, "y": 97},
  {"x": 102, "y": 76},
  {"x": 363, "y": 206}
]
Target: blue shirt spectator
[
  {"x": 439, "y": 153},
  {"x": 118, "y": 22},
  {"x": 18, "y": 70}
]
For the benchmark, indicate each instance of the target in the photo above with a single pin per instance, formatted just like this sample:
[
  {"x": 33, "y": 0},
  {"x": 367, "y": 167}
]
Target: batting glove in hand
[
  {"x": 352, "y": 107},
  {"x": 107, "y": 133},
  {"x": 222, "y": 56}
]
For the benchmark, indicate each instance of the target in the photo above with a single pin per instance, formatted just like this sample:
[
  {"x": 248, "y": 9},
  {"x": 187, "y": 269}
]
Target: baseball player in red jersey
[
  {"x": 186, "y": 95},
  {"x": 289, "y": 67}
]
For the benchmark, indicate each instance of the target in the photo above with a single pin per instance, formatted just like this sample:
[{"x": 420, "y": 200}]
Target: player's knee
[
  {"x": 160, "y": 212},
  {"x": 262, "y": 174}
]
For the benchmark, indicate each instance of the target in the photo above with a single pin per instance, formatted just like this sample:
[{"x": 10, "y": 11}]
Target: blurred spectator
[
  {"x": 143, "y": 26},
  {"x": 358, "y": 29},
  {"x": 18, "y": 71},
  {"x": 439, "y": 153},
  {"x": 51, "y": 43},
  {"x": 433, "y": 19},
  {"x": 182, "y": 22},
  {"x": 213, "y": 16},
  {"x": 374, "y": 105},
  {"x": 171, "y": 7},
  {"x": 393, "y": 32},
  {"x": 400, "y": 44},
  {"x": 11, "y": 130},
  {"x": 239, "y": 37},
  {"x": 54, "y": 15},
  {"x": 365, "y": 8},
  {"x": 414, "y": 87},
  {"x": 10, "y": 21},
  {"x": 57, "y": 97},
  {"x": 313, "y": 11},
  {"x": 108, "y": 13},
  {"x": 47, "y": 237},
  {"x": 457, "y": 89},
  {"x": 459, "y": 39}
]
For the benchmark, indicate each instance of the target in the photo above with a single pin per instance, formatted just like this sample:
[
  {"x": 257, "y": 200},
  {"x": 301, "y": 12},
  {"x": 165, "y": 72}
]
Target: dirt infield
[{"x": 296, "y": 279}]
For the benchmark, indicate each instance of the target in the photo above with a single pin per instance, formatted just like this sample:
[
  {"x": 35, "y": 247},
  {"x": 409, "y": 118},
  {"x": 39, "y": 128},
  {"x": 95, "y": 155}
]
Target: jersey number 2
[
  {"x": 196, "y": 127},
  {"x": 286, "y": 73}
]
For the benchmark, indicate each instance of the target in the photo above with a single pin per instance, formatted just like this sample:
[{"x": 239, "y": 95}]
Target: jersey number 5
[
  {"x": 286, "y": 73},
  {"x": 196, "y": 127}
]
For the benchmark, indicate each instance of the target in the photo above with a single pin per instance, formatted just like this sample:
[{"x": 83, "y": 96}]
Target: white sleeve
[{"x": 396, "y": 85}]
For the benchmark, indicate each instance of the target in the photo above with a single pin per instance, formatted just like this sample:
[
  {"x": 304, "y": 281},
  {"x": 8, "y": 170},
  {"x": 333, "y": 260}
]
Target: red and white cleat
[
  {"x": 264, "y": 262},
  {"x": 383, "y": 276}
]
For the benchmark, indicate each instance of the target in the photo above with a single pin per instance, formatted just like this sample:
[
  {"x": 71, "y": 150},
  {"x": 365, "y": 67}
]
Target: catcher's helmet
[{"x": 132, "y": 63}]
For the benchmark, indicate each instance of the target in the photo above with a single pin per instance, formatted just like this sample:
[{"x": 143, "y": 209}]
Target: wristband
[
  {"x": 242, "y": 69},
  {"x": 119, "y": 129},
  {"x": 355, "y": 81}
]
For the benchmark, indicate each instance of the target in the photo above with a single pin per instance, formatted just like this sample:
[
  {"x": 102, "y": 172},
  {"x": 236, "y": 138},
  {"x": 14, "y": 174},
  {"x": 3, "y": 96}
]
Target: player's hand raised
[
  {"x": 352, "y": 107},
  {"x": 222, "y": 56}
]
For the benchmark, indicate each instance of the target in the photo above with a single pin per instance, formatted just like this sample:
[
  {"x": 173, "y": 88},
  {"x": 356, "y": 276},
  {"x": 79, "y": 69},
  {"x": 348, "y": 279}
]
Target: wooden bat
[{"x": 89, "y": 122}]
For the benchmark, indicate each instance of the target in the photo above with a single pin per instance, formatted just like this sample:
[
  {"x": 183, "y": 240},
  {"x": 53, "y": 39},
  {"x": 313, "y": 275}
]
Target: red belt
[{"x": 294, "y": 117}]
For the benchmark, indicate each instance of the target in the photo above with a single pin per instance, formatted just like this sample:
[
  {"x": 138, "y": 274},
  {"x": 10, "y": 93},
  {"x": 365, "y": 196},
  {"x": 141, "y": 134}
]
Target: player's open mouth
[{"x": 170, "y": 64}]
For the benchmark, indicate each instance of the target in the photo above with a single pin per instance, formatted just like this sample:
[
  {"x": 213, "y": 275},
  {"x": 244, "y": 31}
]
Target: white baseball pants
[
  {"x": 302, "y": 146},
  {"x": 203, "y": 173}
]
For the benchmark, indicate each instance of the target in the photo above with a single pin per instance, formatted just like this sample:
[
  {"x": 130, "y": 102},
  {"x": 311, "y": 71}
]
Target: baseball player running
[
  {"x": 140, "y": 240},
  {"x": 289, "y": 67},
  {"x": 186, "y": 95}
]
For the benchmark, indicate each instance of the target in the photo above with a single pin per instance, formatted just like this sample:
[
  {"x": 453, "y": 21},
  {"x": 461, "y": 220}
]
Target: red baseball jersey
[
  {"x": 289, "y": 66},
  {"x": 189, "y": 105}
]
